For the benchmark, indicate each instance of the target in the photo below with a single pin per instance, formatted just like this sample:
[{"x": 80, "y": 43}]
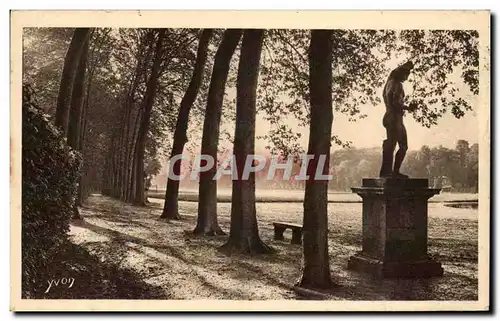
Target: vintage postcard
[{"x": 250, "y": 160}]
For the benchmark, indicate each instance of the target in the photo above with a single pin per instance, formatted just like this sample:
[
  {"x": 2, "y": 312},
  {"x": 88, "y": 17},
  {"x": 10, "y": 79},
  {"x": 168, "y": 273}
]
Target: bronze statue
[{"x": 393, "y": 121}]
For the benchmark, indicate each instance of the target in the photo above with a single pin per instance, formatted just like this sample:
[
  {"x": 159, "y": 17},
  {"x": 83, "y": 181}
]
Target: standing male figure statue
[{"x": 393, "y": 121}]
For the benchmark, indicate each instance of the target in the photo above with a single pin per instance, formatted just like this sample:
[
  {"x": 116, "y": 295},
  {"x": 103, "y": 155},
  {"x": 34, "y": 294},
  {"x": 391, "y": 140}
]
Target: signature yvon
[{"x": 64, "y": 281}]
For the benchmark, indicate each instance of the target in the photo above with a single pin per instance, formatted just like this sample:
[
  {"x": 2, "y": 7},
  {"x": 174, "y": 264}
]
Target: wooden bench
[{"x": 280, "y": 227}]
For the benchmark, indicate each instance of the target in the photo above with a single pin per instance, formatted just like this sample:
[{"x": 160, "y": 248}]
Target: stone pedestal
[{"x": 395, "y": 229}]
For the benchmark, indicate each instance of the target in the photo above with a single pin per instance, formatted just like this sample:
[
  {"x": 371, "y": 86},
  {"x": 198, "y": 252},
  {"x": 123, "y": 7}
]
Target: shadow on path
[{"x": 93, "y": 279}]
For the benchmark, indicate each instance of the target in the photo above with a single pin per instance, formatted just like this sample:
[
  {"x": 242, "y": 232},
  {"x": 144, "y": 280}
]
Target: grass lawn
[{"x": 162, "y": 259}]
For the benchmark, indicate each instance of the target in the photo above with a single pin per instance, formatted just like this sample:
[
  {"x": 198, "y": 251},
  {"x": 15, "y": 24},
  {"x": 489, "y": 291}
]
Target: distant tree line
[{"x": 453, "y": 169}]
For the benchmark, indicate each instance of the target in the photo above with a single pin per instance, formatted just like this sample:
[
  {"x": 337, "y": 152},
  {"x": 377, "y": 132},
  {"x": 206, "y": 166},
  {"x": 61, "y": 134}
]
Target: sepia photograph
[{"x": 272, "y": 161}]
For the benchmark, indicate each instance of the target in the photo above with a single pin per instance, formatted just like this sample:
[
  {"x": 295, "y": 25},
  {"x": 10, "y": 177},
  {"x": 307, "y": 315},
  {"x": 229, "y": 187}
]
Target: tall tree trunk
[
  {"x": 110, "y": 168},
  {"x": 144, "y": 54},
  {"x": 124, "y": 155},
  {"x": 244, "y": 232},
  {"x": 113, "y": 169},
  {"x": 125, "y": 130},
  {"x": 105, "y": 177},
  {"x": 126, "y": 152},
  {"x": 316, "y": 268},
  {"x": 84, "y": 119},
  {"x": 133, "y": 180},
  {"x": 83, "y": 186},
  {"x": 77, "y": 97},
  {"x": 147, "y": 106},
  {"x": 71, "y": 62},
  {"x": 207, "y": 206},
  {"x": 130, "y": 193},
  {"x": 83, "y": 192},
  {"x": 170, "y": 209},
  {"x": 116, "y": 168},
  {"x": 129, "y": 106},
  {"x": 75, "y": 117}
]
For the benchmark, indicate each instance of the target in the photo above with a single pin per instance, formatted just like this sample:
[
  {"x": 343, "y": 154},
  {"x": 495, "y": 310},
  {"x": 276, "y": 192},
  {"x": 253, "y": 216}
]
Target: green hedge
[{"x": 50, "y": 172}]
